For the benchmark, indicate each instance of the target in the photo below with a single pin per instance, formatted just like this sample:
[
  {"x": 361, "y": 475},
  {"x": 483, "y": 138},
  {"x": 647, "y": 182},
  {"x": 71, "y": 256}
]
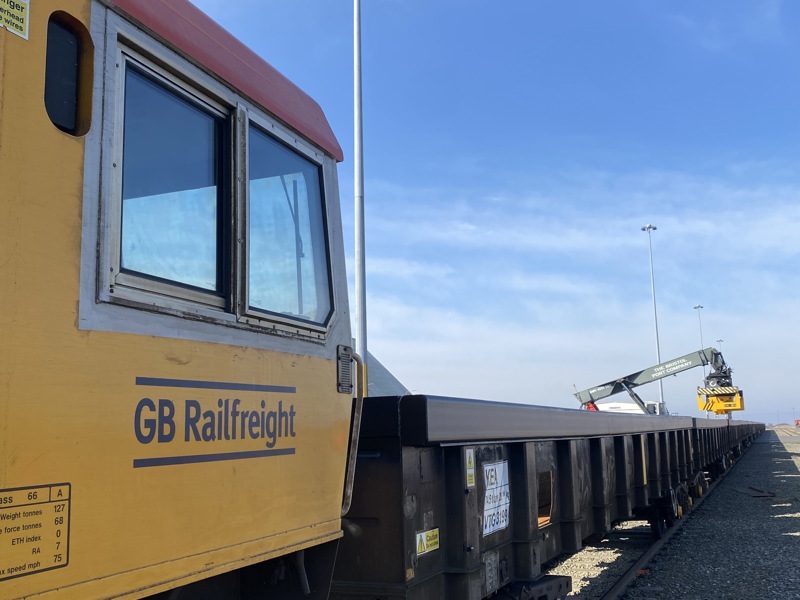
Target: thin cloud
[
  {"x": 755, "y": 22},
  {"x": 443, "y": 352},
  {"x": 766, "y": 23},
  {"x": 690, "y": 208},
  {"x": 407, "y": 270},
  {"x": 708, "y": 34},
  {"x": 564, "y": 298}
]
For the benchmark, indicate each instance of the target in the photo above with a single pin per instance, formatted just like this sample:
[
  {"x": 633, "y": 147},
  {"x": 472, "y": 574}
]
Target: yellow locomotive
[{"x": 176, "y": 398}]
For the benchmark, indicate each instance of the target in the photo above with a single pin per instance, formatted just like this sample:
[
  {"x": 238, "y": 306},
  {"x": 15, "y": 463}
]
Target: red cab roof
[{"x": 195, "y": 34}]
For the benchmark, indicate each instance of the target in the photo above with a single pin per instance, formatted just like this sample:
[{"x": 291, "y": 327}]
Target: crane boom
[{"x": 720, "y": 375}]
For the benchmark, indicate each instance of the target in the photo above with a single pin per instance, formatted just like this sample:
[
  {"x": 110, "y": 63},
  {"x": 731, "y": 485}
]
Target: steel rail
[{"x": 621, "y": 586}]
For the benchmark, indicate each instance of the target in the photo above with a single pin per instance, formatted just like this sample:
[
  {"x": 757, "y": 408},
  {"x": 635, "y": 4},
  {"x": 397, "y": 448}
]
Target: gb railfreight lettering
[{"x": 158, "y": 421}]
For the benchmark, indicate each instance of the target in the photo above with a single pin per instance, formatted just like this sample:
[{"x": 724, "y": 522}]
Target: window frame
[
  {"x": 140, "y": 287},
  {"x": 246, "y": 312},
  {"x": 230, "y": 307}
]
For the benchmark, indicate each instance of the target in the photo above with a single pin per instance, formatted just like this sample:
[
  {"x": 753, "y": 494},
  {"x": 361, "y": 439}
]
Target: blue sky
[{"x": 513, "y": 151}]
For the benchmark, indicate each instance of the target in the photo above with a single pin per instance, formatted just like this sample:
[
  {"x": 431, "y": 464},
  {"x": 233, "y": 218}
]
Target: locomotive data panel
[{"x": 34, "y": 529}]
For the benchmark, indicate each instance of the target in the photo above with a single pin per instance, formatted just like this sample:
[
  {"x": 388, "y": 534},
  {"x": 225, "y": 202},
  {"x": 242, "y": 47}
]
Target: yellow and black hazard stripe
[{"x": 718, "y": 391}]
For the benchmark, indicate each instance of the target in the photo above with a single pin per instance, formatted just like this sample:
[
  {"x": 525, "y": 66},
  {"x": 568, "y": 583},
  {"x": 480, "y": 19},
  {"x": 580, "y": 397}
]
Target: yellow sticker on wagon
[
  {"x": 427, "y": 541},
  {"x": 14, "y": 16}
]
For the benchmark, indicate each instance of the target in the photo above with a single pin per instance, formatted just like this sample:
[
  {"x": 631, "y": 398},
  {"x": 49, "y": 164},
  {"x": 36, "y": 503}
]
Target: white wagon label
[{"x": 498, "y": 497}]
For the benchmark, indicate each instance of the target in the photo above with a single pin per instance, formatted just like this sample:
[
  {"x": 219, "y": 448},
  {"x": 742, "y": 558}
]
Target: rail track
[{"x": 607, "y": 566}]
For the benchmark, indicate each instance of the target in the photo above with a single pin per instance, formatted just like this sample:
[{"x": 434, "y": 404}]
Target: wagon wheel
[{"x": 684, "y": 499}]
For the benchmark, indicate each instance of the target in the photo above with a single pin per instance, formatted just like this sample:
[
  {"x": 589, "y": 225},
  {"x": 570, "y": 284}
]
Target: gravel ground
[
  {"x": 742, "y": 542},
  {"x": 598, "y": 566},
  {"x": 739, "y": 543}
]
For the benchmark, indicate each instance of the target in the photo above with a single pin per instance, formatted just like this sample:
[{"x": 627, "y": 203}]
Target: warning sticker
[
  {"x": 497, "y": 498},
  {"x": 34, "y": 529},
  {"x": 427, "y": 541},
  {"x": 14, "y": 16},
  {"x": 470, "y": 460}
]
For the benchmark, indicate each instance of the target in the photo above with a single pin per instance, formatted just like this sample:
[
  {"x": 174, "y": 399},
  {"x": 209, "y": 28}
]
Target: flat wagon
[{"x": 461, "y": 498}]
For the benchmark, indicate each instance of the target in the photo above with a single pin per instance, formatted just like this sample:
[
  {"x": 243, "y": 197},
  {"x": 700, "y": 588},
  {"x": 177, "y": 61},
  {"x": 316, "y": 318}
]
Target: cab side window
[{"x": 171, "y": 188}]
